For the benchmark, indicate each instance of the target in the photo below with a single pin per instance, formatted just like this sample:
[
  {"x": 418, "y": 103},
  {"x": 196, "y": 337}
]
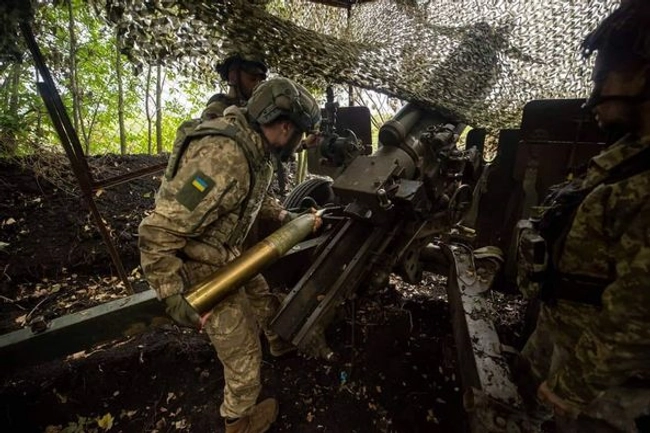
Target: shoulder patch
[{"x": 194, "y": 190}]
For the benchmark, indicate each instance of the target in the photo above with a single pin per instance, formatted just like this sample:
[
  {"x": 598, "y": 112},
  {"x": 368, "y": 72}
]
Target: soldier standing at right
[{"x": 589, "y": 356}]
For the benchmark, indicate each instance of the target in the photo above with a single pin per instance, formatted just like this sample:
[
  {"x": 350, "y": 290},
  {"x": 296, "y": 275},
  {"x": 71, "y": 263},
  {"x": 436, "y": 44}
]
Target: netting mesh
[{"x": 475, "y": 60}]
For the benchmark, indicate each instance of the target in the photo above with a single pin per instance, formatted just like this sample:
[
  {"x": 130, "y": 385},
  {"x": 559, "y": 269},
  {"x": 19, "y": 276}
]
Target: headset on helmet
[
  {"x": 246, "y": 62},
  {"x": 279, "y": 97}
]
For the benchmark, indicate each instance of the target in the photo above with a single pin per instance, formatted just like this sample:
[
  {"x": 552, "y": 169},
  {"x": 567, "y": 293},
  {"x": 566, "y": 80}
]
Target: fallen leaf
[
  {"x": 105, "y": 422},
  {"x": 9, "y": 222},
  {"x": 99, "y": 192},
  {"x": 62, "y": 398},
  {"x": 128, "y": 413},
  {"x": 310, "y": 417},
  {"x": 431, "y": 417},
  {"x": 20, "y": 320}
]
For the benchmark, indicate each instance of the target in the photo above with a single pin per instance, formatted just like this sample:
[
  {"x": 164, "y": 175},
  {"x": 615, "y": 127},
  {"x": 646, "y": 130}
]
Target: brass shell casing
[{"x": 205, "y": 295}]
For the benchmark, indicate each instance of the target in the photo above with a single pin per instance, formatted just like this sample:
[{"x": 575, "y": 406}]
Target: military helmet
[
  {"x": 248, "y": 62},
  {"x": 624, "y": 35},
  {"x": 281, "y": 97},
  {"x": 623, "y": 42}
]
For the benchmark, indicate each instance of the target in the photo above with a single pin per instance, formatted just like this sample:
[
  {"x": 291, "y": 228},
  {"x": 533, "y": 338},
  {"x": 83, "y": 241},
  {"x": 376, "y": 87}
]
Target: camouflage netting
[{"x": 476, "y": 60}]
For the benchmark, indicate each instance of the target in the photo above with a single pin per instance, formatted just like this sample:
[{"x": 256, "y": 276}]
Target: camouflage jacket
[
  {"x": 201, "y": 203},
  {"x": 610, "y": 239}
]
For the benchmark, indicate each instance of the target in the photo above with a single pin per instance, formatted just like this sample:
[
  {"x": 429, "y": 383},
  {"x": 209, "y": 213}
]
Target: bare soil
[{"x": 396, "y": 364}]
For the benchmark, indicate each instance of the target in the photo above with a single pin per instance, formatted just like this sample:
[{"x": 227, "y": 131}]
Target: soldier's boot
[
  {"x": 277, "y": 346},
  {"x": 258, "y": 420}
]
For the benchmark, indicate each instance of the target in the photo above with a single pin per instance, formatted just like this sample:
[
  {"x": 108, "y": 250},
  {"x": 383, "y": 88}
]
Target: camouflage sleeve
[
  {"x": 617, "y": 348},
  {"x": 271, "y": 208},
  {"x": 212, "y": 180}
]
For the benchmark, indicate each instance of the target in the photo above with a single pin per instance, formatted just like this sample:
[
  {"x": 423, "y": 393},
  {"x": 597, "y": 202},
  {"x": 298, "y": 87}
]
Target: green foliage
[{"x": 24, "y": 121}]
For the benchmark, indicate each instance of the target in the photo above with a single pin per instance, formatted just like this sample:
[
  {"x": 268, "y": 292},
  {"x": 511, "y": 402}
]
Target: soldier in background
[
  {"x": 214, "y": 187},
  {"x": 242, "y": 71},
  {"x": 589, "y": 356}
]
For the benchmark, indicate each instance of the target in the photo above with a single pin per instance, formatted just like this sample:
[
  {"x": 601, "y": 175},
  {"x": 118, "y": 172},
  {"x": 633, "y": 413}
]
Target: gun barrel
[
  {"x": 205, "y": 295},
  {"x": 394, "y": 131}
]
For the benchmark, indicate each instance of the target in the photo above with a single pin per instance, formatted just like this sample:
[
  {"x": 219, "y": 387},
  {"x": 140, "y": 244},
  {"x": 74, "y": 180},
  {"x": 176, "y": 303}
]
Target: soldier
[
  {"x": 242, "y": 71},
  {"x": 214, "y": 186},
  {"x": 589, "y": 356}
]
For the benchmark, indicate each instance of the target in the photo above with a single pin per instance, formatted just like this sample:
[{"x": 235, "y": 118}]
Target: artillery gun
[
  {"x": 388, "y": 206},
  {"x": 419, "y": 202}
]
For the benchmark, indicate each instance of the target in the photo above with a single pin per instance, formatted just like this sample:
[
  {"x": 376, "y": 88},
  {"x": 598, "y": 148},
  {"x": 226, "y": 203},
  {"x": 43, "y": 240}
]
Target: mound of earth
[{"x": 395, "y": 369}]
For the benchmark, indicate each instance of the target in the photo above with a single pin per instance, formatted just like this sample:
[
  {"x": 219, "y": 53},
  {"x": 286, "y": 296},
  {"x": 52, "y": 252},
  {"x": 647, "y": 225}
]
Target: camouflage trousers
[
  {"x": 233, "y": 328},
  {"x": 557, "y": 332}
]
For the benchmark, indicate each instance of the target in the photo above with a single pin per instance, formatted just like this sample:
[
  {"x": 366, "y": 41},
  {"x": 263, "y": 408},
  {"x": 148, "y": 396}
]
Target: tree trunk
[
  {"x": 120, "y": 94},
  {"x": 147, "y": 109},
  {"x": 14, "y": 93},
  {"x": 8, "y": 142},
  {"x": 159, "y": 87},
  {"x": 73, "y": 68}
]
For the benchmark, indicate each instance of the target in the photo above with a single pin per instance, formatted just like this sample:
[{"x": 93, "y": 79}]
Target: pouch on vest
[
  {"x": 562, "y": 206},
  {"x": 532, "y": 259}
]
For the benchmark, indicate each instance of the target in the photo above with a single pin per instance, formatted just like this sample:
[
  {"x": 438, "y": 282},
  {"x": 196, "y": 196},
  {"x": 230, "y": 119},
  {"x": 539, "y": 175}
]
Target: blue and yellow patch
[
  {"x": 199, "y": 183},
  {"x": 195, "y": 190}
]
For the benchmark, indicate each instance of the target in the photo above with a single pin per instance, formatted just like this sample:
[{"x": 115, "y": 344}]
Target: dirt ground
[{"x": 396, "y": 364}]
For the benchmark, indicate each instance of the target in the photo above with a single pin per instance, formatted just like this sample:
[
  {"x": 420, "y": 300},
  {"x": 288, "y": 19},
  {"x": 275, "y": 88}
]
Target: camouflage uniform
[
  {"x": 213, "y": 189},
  {"x": 598, "y": 358}
]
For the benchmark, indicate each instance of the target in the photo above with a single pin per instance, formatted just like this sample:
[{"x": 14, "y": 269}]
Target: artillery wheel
[{"x": 316, "y": 188}]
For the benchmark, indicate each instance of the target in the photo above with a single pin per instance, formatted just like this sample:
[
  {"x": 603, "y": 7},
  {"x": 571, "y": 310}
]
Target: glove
[
  {"x": 307, "y": 205},
  {"x": 181, "y": 311},
  {"x": 288, "y": 216}
]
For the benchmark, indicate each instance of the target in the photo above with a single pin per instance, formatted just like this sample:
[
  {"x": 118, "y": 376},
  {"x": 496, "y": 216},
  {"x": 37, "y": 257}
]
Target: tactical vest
[
  {"x": 554, "y": 225},
  {"x": 260, "y": 170}
]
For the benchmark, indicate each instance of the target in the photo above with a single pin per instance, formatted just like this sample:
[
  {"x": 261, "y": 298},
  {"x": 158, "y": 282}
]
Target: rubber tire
[{"x": 319, "y": 189}]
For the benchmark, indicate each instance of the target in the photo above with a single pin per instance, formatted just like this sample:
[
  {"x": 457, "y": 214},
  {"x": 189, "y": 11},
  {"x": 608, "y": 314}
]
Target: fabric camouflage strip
[{"x": 477, "y": 60}]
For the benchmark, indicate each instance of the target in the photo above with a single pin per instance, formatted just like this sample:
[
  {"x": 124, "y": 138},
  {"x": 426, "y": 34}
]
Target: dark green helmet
[
  {"x": 622, "y": 41},
  {"x": 624, "y": 35},
  {"x": 281, "y": 97},
  {"x": 248, "y": 62}
]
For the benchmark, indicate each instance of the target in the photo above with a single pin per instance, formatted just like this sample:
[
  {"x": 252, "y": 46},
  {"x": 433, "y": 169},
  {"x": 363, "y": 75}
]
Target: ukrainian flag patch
[
  {"x": 199, "y": 183},
  {"x": 195, "y": 190}
]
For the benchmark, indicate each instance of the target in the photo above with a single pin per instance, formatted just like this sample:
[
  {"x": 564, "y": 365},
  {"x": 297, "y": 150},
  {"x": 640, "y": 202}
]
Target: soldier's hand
[
  {"x": 318, "y": 221},
  {"x": 286, "y": 216},
  {"x": 313, "y": 139},
  {"x": 182, "y": 312}
]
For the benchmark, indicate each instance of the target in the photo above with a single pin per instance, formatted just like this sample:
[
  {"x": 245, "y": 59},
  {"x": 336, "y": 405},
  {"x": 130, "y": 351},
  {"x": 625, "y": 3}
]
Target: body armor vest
[
  {"x": 260, "y": 170},
  {"x": 555, "y": 223}
]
